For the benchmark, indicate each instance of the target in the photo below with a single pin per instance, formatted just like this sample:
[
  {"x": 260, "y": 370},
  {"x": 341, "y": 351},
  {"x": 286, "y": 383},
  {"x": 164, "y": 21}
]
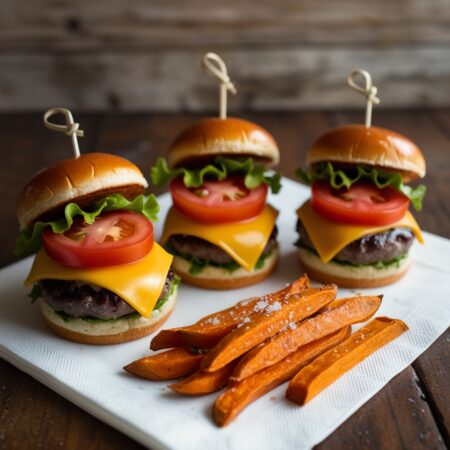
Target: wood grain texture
[
  {"x": 411, "y": 412},
  {"x": 33, "y": 417},
  {"x": 284, "y": 78},
  {"x": 285, "y": 55},
  {"x": 398, "y": 417},
  {"x": 432, "y": 370},
  {"x": 83, "y": 24}
]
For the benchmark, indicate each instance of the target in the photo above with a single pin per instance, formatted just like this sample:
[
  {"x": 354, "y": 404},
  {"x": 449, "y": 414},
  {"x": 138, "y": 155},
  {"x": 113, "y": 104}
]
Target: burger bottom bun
[
  {"x": 349, "y": 276},
  {"x": 106, "y": 332},
  {"x": 220, "y": 279}
]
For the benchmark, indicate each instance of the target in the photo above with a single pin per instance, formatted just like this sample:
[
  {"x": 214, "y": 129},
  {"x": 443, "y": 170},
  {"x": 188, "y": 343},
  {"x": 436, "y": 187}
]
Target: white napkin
[{"x": 92, "y": 378}]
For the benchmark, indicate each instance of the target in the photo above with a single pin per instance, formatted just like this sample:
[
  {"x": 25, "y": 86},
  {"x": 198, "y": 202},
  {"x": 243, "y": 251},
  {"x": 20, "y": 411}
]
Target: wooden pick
[
  {"x": 217, "y": 67},
  {"x": 368, "y": 90},
  {"x": 71, "y": 128}
]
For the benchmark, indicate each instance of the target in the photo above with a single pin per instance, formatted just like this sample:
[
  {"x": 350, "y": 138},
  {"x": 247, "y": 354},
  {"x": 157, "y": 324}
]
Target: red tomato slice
[
  {"x": 362, "y": 204},
  {"x": 118, "y": 237},
  {"x": 219, "y": 201}
]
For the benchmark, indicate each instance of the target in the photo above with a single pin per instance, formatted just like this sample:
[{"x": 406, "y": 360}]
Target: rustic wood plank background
[{"x": 284, "y": 55}]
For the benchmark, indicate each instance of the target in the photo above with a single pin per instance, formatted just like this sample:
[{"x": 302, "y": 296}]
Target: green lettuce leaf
[
  {"x": 35, "y": 293},
  {"x": 173, "y": 287},
  {"x": 161, "y": 174},
  {"x": 344, "y": 178},
  {"x": 29, "y": 241},
  {"x": 68, "y": 318}
]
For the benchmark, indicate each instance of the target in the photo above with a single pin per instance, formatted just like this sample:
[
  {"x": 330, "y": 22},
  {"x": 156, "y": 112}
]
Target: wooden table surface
[{"x": 411, "y": 412}]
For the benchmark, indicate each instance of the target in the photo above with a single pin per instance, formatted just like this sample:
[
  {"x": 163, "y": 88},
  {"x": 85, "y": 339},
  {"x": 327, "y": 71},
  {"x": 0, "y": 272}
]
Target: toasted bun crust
[
  {"x": 350, "y": 277},
  {"x": 220, "y": 279},
  {"x": 101, "y": 333},
  {"x": 213, "y": 137},
  {"x": 84, "y": 180},
  {"x": 356, "y": 144}
]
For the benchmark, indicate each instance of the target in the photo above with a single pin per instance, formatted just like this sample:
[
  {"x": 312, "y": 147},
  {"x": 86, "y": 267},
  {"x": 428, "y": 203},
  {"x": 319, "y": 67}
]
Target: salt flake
[{"x": 276, "y": 306}]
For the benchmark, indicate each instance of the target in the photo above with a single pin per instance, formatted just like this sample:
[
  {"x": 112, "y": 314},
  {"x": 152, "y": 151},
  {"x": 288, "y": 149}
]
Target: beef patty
[
  {"x": 370, "y": 249},
  {"x": 82, "y": 300},
  {"x": 194, "y": 247}
]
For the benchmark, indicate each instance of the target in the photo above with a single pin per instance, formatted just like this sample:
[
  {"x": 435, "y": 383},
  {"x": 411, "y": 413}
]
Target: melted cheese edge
[
  {"x": 329, "y": 237},
  {"x": 139, "y": 284},
  {"x": 243, "y": 241}
]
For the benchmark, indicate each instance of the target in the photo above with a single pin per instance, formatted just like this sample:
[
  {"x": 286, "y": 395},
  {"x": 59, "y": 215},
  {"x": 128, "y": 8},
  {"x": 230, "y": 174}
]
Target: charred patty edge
[
  {"x": 198, "y": 249},
  {"x": 383, "y": 247},
  {"x": 171, "y": 285},
  {"x": 379, "y": 265},
  {"x": 198, "y": 264}
]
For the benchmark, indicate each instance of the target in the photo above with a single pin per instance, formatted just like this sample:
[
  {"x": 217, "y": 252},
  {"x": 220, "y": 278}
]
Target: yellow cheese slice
[
  {"x": 139, "y": 284},
  {"x": 243, "y": 241},
  {"x": 329, "y": 237}
]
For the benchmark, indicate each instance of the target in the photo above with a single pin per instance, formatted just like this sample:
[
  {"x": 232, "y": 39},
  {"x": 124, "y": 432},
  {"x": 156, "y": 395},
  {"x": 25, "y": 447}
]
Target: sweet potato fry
[
  {"x": 167, "y": 339},
  {"x": 258, "y": 327},
  {"x": 201, "y": 382},
  {"x": 235, "y": 399},
  {"x": 332, "y": 364},
  {"x": 208, "y": 331},
  {"x": 167, "y": 365},
  {"x": 331, "y": 318}
]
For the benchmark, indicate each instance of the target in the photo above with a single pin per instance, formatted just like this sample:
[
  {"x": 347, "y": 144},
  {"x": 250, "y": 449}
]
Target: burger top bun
[
  {"x": 209, "y": 138},
  {"x": 356, "y": 144},
  {"x": 82, "y": 180}
]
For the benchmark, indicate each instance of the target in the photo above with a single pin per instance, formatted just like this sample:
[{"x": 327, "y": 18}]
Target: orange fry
[
  {"x": 167, "y": 339},
  {"x": 201, "y": 382},
  {"x": 337, "y": 315},
  {"x": 236, "y": 398},
  {"x": 271, "y": 320},
  {"x": 332, "y": 364},
  {"x": 167, "y": 365},
  {"x": 208, "y": 331}
]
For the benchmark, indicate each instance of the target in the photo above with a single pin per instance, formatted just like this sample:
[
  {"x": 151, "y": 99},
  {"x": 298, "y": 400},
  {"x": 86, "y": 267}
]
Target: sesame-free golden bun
[
  {"x": 82, "y": 180},
  {"x": 372, "y": 146},
  {"x": 231, "y": 137}
]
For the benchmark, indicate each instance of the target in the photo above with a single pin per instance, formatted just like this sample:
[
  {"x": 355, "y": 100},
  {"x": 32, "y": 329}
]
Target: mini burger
[
  {"x": 220, "y": 229},
  {"x": 356, "y": 230},
  {"x": 98, "y": 274}
]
